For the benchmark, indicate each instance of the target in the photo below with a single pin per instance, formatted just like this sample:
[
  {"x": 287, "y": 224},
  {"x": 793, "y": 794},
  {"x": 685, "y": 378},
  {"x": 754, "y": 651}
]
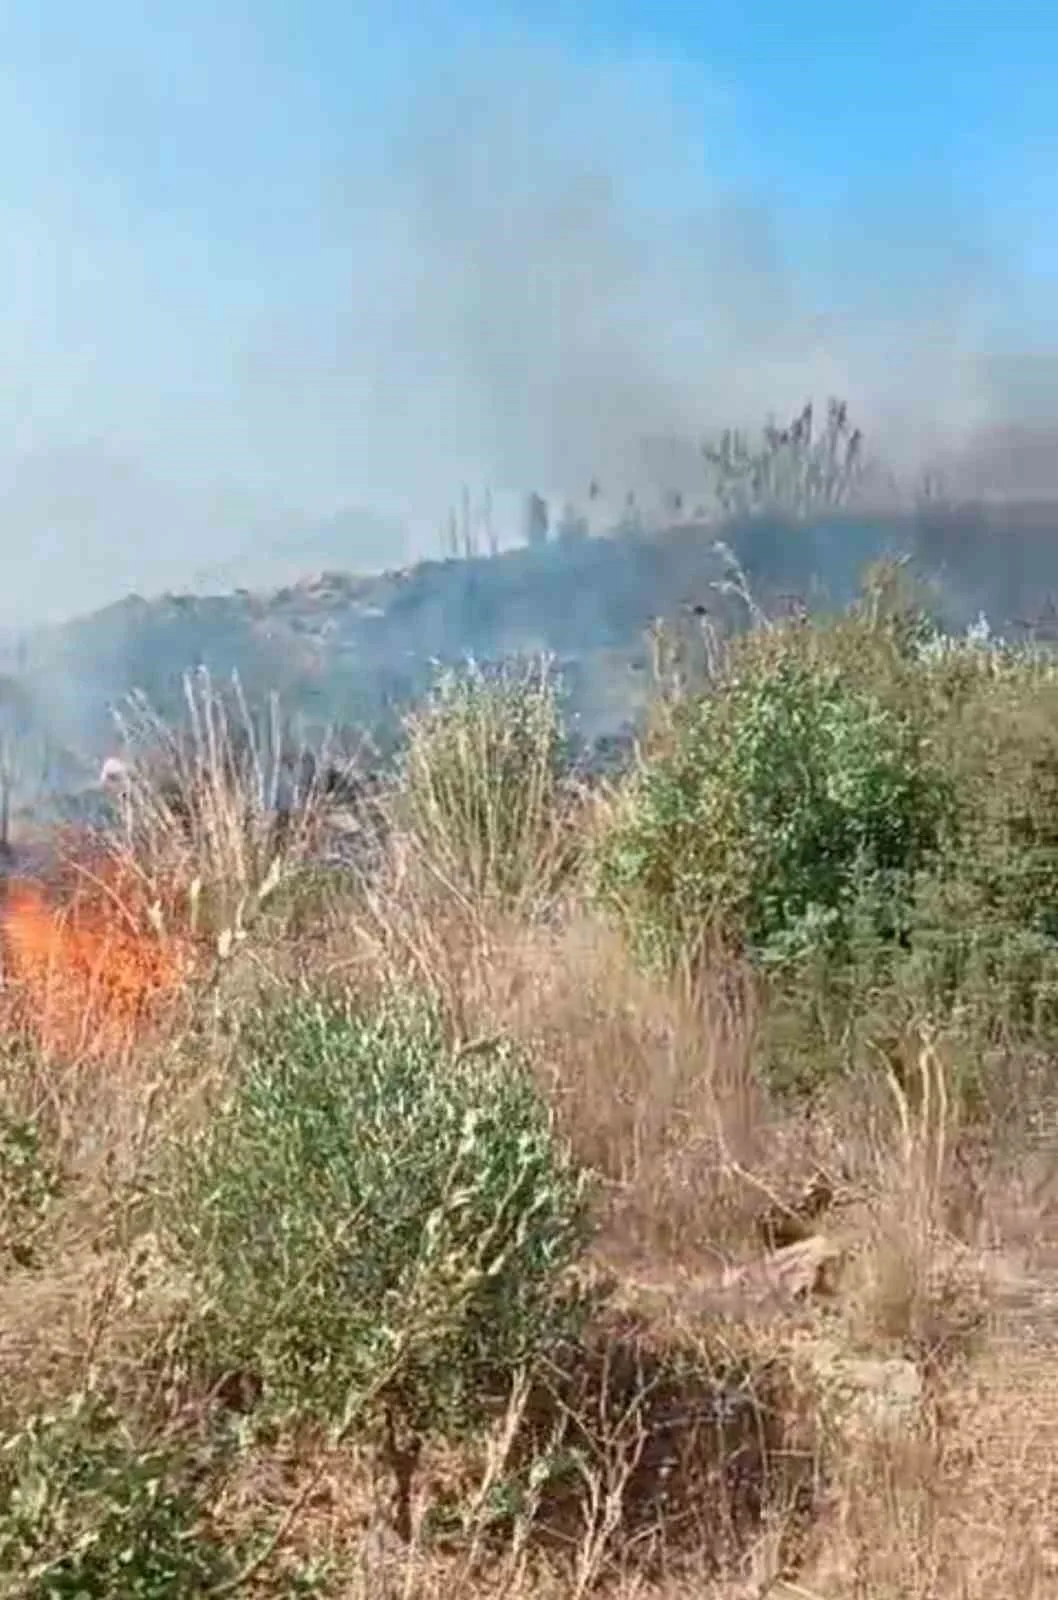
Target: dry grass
[{"x": 700, "y": 1169}]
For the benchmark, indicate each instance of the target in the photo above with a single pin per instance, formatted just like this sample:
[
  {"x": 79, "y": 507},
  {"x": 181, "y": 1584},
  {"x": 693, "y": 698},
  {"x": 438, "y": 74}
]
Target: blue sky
[{"x": 262, "y": 260}]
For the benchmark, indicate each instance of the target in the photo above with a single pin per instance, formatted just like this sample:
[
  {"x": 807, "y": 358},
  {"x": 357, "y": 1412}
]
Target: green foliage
[
  {"x": 986, "y": 937},
  {"x": 29, "y": 1184},
  {"x": 481, "y": 781},
  {"x": 372, "y": 1218},
  {"x": 88, "y": 1514},
  {"x": 870, "y": 809},
  {"x": 784, "y": 803}
]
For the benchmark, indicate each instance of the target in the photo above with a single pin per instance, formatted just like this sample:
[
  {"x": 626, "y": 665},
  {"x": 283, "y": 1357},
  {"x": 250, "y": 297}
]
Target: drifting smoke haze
[{"x": 239, "y": 299}]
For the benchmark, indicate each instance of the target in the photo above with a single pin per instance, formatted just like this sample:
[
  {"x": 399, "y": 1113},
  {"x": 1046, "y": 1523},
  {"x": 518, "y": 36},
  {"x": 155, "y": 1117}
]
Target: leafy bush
[
  {"x": 372, "y": 1216},
  {"x": 986, "y": 936},
  {"x": 785, "y": 803},
  {"x": 87, "y": 1514},
  {"x": 29, "y": 1184},
  {"x": 978, "y": 951},
  {"x": 481, "y": 781}
]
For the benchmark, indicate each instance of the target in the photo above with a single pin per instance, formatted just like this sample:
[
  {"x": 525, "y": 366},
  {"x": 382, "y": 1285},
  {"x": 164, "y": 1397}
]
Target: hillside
[{"x": 341, "y": 649}]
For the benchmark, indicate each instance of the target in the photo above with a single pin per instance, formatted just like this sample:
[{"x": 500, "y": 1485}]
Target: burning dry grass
[
  {"x": 88, "y": 970},
  {"x": 701, "y": 1170},
  {"x": 227, "y": 804},
  {"x": 212, "y": 822},
  {"x": 654, "y": 1088}
]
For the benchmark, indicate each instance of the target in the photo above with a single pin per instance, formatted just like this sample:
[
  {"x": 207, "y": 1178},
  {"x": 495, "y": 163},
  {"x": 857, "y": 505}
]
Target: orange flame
[{"x": 87, "y": 977}]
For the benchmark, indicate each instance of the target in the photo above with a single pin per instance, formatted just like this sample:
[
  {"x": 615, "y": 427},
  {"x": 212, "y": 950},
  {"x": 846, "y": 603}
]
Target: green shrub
[
  {"x": 869, "y": 809},
  {"x": 88, "y": 1514},
  {"x": 481, "y": 782},
  {"x": 29, "y": 1185},
  {"x": 785, "y": 803},
  {"x": 986, "y": 935},
  {"x": 978, "y": 954},
  {"x": 373, "y": 1217}
]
